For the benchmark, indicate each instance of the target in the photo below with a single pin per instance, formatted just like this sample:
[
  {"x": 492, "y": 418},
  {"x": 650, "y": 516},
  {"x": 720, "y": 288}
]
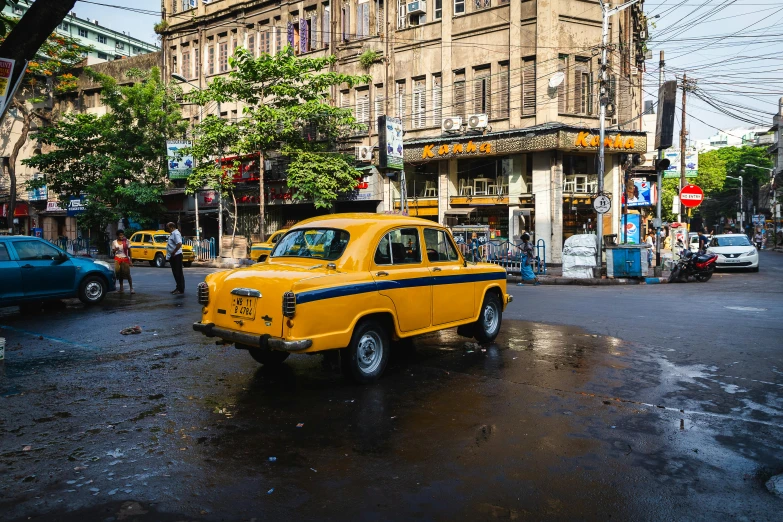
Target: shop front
[{"x": 541, "y": 180}]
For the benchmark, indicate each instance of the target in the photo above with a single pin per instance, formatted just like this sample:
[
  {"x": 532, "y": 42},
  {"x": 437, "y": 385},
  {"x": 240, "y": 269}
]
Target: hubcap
[
  {"x": 93, "y": 290},
  {"x": 490, "y": 318},
  {"x": 370, "y": 352}
]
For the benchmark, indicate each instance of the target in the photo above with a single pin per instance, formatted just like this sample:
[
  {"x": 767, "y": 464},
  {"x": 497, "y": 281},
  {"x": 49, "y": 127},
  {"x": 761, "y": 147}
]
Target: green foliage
[
  {"x": 160, "y": 27},
  {"x": 117, "y": 160},
  {"x": 285, "y": 106},
  {"x": 722, "y": 194},
  {"x": 369, "y": 57}
]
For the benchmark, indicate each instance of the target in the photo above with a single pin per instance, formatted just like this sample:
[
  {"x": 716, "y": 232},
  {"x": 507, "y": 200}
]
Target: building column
[
  {"x": 443, "y": 190},
  {"x": 515, "y": 65},
  {"x": 548, "y": 192},
  {"x": 547, "y": 43}
]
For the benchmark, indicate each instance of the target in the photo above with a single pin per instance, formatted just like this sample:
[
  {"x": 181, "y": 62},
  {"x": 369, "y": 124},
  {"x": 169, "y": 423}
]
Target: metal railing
[
  {"x": 204, "y": 249},
  {"x": 76, "y": 247},
  {"x": 505, "y": 254}
]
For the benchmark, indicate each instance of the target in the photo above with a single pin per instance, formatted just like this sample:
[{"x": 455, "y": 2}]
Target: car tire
[
  {"x": 92, "y": 290},
  {"x": 365, "y": 359},
  {"x": 159, "y": 260},
  {"x": 487, "y": 327},
  {"x": 265, "y": 356},
  {"x": 187, "y": 264}
]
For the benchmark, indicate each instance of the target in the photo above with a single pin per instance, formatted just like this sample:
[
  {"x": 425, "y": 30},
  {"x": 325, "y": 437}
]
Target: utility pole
[
  {"x": 661, "y": 64},
  {"x": 261, "y": 202},
  {"x": 606, "y": 12},
  {"x": 682, "y": 150}
]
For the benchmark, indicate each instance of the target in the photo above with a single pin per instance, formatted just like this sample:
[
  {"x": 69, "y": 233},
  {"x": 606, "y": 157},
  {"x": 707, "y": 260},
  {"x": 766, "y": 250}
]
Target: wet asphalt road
[{"x": 640, "y": 403}]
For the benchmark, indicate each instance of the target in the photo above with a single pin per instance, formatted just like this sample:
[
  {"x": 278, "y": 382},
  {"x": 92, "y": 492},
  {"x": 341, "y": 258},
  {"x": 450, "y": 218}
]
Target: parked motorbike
[{"x": 696, "y": 265}]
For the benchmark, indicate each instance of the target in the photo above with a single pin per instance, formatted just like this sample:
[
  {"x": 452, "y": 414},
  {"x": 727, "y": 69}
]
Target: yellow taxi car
[
  {"x": 260, "y": 251},
  {"x": 150, "y": 245},
  {"x": 368, "y": 279}
]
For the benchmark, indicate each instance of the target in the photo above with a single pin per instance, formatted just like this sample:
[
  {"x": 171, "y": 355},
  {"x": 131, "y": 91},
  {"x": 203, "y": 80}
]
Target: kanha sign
[
  {"x": 586, "y": 140},
  {"x": 429, "y": 151}
]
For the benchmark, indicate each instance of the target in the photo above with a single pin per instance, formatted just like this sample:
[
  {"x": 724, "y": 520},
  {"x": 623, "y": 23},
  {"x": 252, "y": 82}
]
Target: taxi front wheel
[
  {"x": 366, "y": 357},
  {"x": 488, "y": 325}
]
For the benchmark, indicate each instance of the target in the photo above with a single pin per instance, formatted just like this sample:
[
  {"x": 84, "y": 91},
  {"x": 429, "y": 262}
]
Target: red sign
[{"x": 691, "y": 196}]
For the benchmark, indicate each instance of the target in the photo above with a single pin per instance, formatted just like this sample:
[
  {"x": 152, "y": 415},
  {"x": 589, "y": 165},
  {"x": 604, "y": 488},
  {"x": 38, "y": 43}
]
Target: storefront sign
[
  {"x": 180, "y": 166},
  {"x": 76, "y": 207},
  {"x": 691, "y": 164},
  {"x": 631, "y": 230},
  {"x": 39, "y": 194},
  {"x": 390, "y": 149},
  {"x": 430, "y": 151},
  {"x": 207, "y": 198},
  {"x": 586, "y": 140}
]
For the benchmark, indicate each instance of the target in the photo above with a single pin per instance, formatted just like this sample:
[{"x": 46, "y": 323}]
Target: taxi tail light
[
  {"x": 289, "y": 304},
  {"x": 203, "y": 293}
]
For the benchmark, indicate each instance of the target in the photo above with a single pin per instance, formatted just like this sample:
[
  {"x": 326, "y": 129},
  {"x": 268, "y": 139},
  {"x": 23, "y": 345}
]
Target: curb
[{"x": 563, "y": 281}]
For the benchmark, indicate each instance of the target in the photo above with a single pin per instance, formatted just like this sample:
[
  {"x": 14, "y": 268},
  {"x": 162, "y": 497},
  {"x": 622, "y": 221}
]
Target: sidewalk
[{"x": 554, "y": 276}]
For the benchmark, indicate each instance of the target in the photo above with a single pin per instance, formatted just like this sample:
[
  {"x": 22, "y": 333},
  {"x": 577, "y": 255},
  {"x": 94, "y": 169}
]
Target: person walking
[
  {"x": 528, "y": 260},
  {"x": 174, "y": 257},
  {"x": 650, "y": 246},
  {"x": 122, "y": 262}
]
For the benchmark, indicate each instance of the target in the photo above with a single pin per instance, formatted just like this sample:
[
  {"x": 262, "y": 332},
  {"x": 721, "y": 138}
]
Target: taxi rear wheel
[
  {"x": 187, "y": 264},
  {"x": 265, "y": 356},
  {"x": 488, "y": 325},
  {"x": 365, "y": 359}
]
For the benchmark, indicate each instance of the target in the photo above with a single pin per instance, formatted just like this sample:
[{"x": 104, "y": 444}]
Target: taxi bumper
[{"x": 259, "y": 341}]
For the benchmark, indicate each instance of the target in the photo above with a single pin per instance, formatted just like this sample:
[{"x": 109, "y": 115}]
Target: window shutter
[
  {"x": 304, "y": 33},
  {"x": 379, "y": 25},
  {"x": 363, "y": 108},
  {"x": 290, "y": 34},
  {"x": 481, "y": 92},
  {"x": 437, "y": 100},
  {"x": 419, "y": 104},
  {"x": 313, "y": 32},
  {"x": 577, "y": 90},
  {"x": 251, "y": 44},
  {"x": 379, "y": 104},
  {"x": 401, "y": 105},
  {"x": 327, "y": 26},
  {"x": 459, "y": 96},
  {"x": 562, "y": 101},
  {"x": 502, "y": 99},
  {"x": 529, "y": 87}
]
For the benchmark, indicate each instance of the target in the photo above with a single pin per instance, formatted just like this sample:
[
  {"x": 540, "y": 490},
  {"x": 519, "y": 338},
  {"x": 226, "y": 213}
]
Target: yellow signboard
[
  {"x": 587, "y": 140},
  {"x": 458, "y": 148}
]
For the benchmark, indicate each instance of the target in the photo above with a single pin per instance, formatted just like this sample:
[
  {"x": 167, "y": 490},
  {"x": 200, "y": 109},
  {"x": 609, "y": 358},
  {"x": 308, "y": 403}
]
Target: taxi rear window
[{"x": 318, "y": 243}]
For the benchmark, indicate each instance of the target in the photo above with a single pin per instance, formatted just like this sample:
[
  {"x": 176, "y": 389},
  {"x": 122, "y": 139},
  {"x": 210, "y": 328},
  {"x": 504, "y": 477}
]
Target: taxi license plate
[{"x": 243, "y": 306}]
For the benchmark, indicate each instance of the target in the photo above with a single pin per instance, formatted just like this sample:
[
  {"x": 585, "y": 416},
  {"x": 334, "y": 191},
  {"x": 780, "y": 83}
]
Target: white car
[{"x": 734, "y": 251}]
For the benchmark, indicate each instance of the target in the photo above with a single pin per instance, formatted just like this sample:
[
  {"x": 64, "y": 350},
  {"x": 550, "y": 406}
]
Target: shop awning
[{"x": 459, "y": 211}]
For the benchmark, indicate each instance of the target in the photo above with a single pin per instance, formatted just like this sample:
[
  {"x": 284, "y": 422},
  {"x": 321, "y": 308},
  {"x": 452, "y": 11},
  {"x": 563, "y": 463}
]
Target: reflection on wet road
[{"x": 548, "y": 422}]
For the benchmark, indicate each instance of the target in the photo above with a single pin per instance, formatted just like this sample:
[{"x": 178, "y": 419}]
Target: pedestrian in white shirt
[{"x": 174, "y": 257}]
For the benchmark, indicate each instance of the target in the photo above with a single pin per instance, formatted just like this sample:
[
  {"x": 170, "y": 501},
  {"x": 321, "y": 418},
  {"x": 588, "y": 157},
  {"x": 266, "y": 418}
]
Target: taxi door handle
[
  {"x": 436, "y": 269},
  {"x": 381, "y": 274},
  {"x": 28, "y": 266}
]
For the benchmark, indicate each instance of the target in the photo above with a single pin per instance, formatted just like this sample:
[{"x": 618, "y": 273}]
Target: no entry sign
[{"x": 691, "y": 196}]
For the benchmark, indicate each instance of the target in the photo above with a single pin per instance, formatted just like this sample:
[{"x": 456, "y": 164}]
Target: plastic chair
[
  {"x": 465, "y": 189},
  {"x": 430, "y": 191}
]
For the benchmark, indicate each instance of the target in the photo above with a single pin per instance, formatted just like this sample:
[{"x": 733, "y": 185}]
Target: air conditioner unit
[
  {"x": 418, "y": 7},
  {"x": 363, "y": 153},
  {"x": 451, "y": 124},
  {"x": 477, "y": 121}
]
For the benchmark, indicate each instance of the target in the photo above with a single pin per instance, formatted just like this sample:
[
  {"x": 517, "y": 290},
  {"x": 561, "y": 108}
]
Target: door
[
  {"x": 453, "y": 294},
  {"x": 10, "y": 276},
  {"x": 147, "y": 248},
  {"x": 400, "y": 273},
  {"x": 135, "y": 247},
  {"x": 44, "y": 271},
  {"x": 161, "y": 240}
]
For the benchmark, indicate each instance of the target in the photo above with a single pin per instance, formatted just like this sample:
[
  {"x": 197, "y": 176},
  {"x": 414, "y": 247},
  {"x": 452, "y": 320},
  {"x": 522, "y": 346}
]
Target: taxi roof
[
  {"x": 367, "y": 220},
  {"x": 150, "y": 232}
]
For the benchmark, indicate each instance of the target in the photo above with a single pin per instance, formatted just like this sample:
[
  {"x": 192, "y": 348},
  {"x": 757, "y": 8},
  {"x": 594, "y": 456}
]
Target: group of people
[{"x": 120, "y": 250}]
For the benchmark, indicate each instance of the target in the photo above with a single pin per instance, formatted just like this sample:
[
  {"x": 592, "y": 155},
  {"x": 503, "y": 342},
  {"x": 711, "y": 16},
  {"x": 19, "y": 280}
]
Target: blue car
[{"x": 34, "y": 270}]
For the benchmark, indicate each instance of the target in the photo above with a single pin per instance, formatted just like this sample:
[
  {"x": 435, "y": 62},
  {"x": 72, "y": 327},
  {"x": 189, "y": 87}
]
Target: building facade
[
  {"x": 107, "y": 44},
  {"x": 498, "y": 98}
]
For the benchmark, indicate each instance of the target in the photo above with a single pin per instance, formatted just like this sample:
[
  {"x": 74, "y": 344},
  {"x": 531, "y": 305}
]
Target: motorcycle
[{"x": 696, "y": 265}]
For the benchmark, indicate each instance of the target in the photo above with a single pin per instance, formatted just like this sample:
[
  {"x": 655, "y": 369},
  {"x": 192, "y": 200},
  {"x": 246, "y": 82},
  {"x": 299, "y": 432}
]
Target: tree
[
  {"x": 29, "y": 34},
  {"x": 117, "y": 160},
  {"x": 55, "y": 55},
  {"x": 286, "y": 109}
]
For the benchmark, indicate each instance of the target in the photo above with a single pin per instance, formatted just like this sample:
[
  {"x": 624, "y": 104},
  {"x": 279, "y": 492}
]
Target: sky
[{"x": 731, "y": 48}]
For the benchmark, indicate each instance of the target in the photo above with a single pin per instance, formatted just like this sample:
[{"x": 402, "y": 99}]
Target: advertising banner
[
  {"x": 631, "y": 232},
  {"x": 6, "y": 68},
  {"x": 638, "y": 193},
  {"x": 691, "y": 164},
  {"x": 390, "y": 143},
  {"x": 180, "y": 166}
]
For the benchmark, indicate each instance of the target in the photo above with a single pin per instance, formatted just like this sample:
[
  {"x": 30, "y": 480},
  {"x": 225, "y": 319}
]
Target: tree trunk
[
  {"x": 31, "y": 32},
  {"x": 27, "y": 119}
]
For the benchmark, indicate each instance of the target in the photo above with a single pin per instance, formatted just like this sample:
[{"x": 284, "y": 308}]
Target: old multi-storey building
[{"x": 499, "y": 98}]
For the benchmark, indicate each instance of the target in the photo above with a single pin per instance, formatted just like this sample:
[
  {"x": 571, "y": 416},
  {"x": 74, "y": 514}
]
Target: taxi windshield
[
  {"x": 319, "y": 243},
  {"x": 161, "y": 238}
]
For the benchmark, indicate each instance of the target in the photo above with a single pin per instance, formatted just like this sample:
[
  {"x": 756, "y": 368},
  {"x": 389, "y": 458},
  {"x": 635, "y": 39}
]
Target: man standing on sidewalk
[{"x": 174, "y": 256}]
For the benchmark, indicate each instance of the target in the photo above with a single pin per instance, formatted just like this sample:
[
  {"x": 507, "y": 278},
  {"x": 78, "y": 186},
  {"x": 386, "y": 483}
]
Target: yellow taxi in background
[
  {"x": 260, "y": 251},
  {"x": 353, "y": 282},
  {"x": 150, "y": 245}
]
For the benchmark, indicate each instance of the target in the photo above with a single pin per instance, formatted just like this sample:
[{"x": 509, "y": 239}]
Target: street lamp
[
  {"x": 182, "y": 79},
  {"x": 606, "y": 12},
  {"x": 742, "y": 205},
  {"x": 774, "y": 199}
]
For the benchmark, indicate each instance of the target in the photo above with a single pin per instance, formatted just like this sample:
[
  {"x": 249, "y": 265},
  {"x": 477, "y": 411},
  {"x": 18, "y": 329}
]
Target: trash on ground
[
  {"x": 300, "y": 425},
  {"x": 272, "y": 459},
  {"x": 27, "y": 448},
  {"x": 131, "y": 330},
  {"x": 270, "y": 491}
]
